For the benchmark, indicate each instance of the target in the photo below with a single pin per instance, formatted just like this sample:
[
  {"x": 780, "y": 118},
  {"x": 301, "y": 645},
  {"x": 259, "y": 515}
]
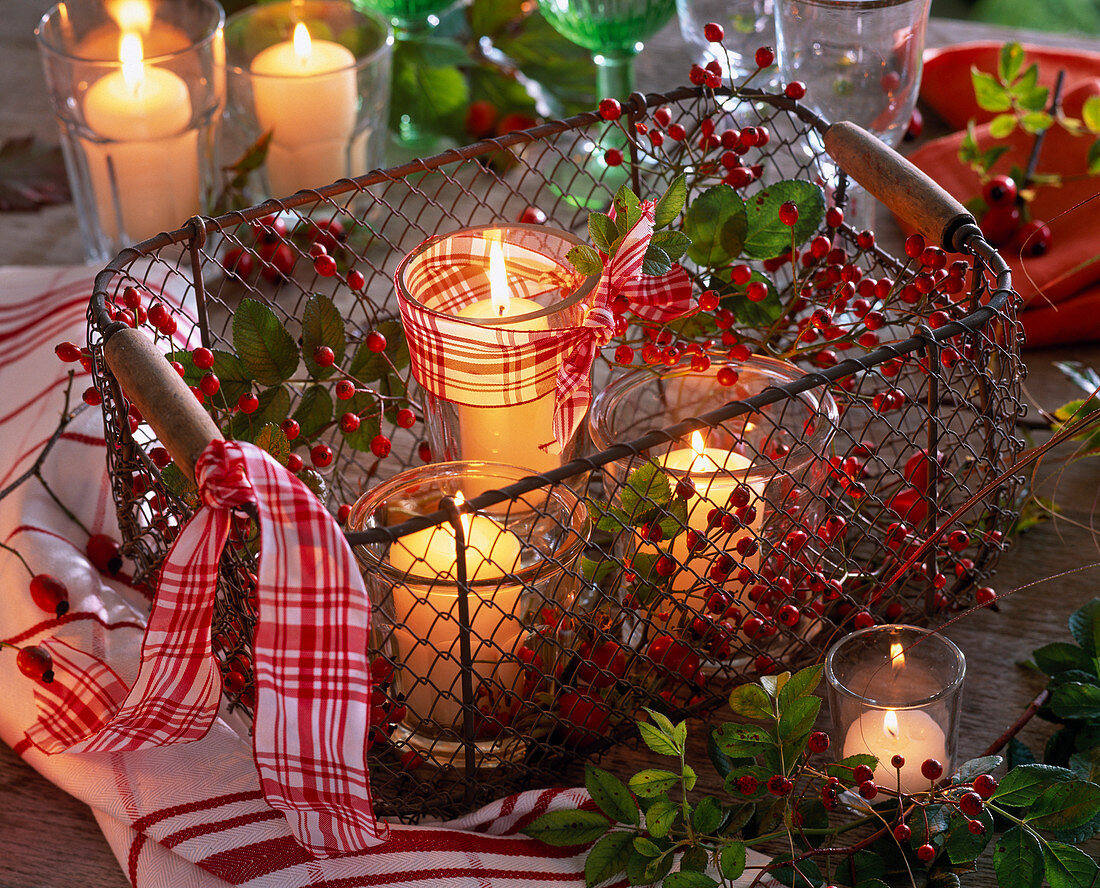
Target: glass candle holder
[
  {"x": 137, "y": 100},
  {"x": 765, "y": 467},
  {"x": 490, "y": 374},
  {"x": 315, "y": 74},
  {"x": 896, "y": 690},
  {"x": 519, "y": 557}
]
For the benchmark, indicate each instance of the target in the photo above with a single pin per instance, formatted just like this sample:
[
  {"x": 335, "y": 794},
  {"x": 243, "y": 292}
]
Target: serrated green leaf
[
  {"x": 1058, "y": 656},
  {"x": 312, "y": 479},
  {"x": 611, "y": 795},
  {"x": 803, "y": 682},
  {"x": 314, "y": 411},
  {"x": 842, "y": 769},
  {"x": 723, "y": 764},
  {"x": 707, "y": 815},
  {"x": 695, "y": 859},
  {"x": 961, "y": 845},
  {"x": 370, "y": 423},
  {"x": 1018, "y": 859},
  {"x": 670, "y": 203},
  {"x": 742, "y": 740},
  {"x": 687, "y": 773},
  {"x": 1025, "y": 783},
  {"x": 673, "y": 243},
  {"x": 568, "y": 827},
  {"x": 656, "y": 261},
  {"x": 660, "y": 817},
  {"x": 988, "y": 92},
  {"x": 716, "y": 222},
  {"x": 797, "y": 719},
  {"x": 1068, "y": 867},
  {"x": 185, "y": 488},
  {"x": 646, "y": 847},
  {"x": 585, "y": 259},
  {"x": 1035, "y": 122},
  {"x": 751, "y": 701},
  {"x": 595, "y": 570},
  {"x": 263, "y": 344},
  {"x": 675, "y": 521},
  {"x": 646, "y": 487},
  {"x": 808, "y": 874},
  {"x": 627, "y": 209},
  {"x": 985, "y": 764},
  {"x": 652, "y": 782},
  {"x": 749, "y": 313},
  {"x": 1076, "y": 700},
  {"x": 427, "y": 85},
  {"x": 322, "y": 325},
  {"x": 1084, "y": 624},
  {"x": 367, "y": 366},
  {"x": 768, "y": 236},
  {"x": 1002, "y": 126},
  {"x": 731, "y": 860},
  {"x": 1009, "y": 62},
  {"x": 602, "y": 231},
  {"x": 272, "y": 439},
  {"x": 688, "y": 879},
  {"x": 607, "y": 858},
  {"x": 1065, "y": 806}
]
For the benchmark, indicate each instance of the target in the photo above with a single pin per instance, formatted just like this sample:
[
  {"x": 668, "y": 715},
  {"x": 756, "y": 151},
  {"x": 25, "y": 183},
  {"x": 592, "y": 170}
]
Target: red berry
[
  {"x": 405, "y": 418},
  {"x": 69, "y": 352},
  {"x": 747, "y": 784},
  {"x": 320, "y": 455},
  {"x": 424, "y": 451},
  {"x": 50, "y": 594},
  {"x": 324, "y": 265},
  {"x": 248, "y": 403},
  {"x": 778, "y": 785},
  {"x": 868, "y": 790},
  {"x": 1035, "y": 238},
  {"x": 35, "y": 662},
  {"x": 713, "y": 32},
  {"x": 202, "y": 358},
  {"x": 931, "y": 769},
  {"x": 349, "y": 422},
  {"x": 294, "y": 463},
  {"x": 971, "y": 804},
  {"x": 897, "y": 762},
  {"x": 697, "y": 75},
  {"x": 976, "y": 827},
  {"x": 915, "y": 127},
  {"x": 796, "y": 90},
  {"x": 1000, "y": 190},
  {"x": 610, "y": 109},
  {"x": 380, "y": 446},
  {"x": 765, "y": 57},
  {"x": 481, "y": 118},
  {"x": 862, "y": 773},
  {"x": 925, "y": 853},
  {"x": 105, "y": 553},
  {"x": 91, "y": 396},
  {"x": 818, "y": 742},
  {"x": 788, "y": 213},
  {"x": 209, "y": 384},
  {"x": 356, "y": 281},
  {"x": 602, "y": 666},
  {"x": 999, "y": 223},
  {"x": 902, "y": 832},
  {"x": 788, "y": 615},
  {"x": 376, "y": 342},
  {"x": 585, "y": 717},
  {"x": 532, "y": 216},
  {"x": 863, "y": 620},
  {"x": 323, "y": 356},
  {"x": 984, "y": 595},
  {"x": 345, "y": 390},
  {"x": 290, "y": 428},
  {"x": 673, "y": 656},
  {"x": 624, "y": 354},
  {"x": 613, "y": 157},
  {"x": 676, "y": 132},
  {"x": 756, "y": 291},
  {"x": 160, "y": 457}
]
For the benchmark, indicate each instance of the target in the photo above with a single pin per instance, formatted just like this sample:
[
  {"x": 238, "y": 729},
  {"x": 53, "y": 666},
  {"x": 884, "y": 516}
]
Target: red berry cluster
[{"x": 1002, "y": 222}]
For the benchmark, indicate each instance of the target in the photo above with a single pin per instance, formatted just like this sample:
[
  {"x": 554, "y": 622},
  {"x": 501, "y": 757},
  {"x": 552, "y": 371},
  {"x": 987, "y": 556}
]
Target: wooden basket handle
[
  {"x": 909, "y": 193},
  {"x": 164, "y": 399}
]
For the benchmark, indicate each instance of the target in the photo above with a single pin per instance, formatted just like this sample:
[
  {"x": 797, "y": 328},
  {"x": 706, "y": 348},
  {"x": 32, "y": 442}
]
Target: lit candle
[
  {"x": 306, "y": 93},
  {"x": 143, "y": 160},
  {"x": 429, "y": 641},
  {"x": 507, "y": 434},
  {"x": 910, "y": 733}
]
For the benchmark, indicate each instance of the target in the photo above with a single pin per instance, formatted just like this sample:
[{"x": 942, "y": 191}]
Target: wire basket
[{"x": 635, "y": 580}]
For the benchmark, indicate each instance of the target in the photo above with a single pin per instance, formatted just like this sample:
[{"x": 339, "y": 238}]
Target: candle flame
[
  {"x": 498, "y": 277},
  {"x": 890, "y": 724},
  {"x": 131, "y": 54},
  {"x": 701, "y": 463},
  {"x": 464, "y": 517},
  {"x": 897, "y": 656},
  {"x": 303, "y": 46},
  {"x": 131, "y": 15}
]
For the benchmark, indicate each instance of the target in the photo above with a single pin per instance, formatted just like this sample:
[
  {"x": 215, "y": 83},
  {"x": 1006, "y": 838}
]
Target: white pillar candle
[
  {"x": 143, "y": 160},
  {"x": 507, "y": 434},
  {"x": 306, "y": 93},
  {"x": 429, "y": 642},
  {"x": 910, "y": 733}
]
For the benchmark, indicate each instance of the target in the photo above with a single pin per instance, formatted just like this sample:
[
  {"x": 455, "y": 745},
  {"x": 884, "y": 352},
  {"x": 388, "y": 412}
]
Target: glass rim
[
  {"x": 578, "y": 532},
  {"x": 957, "y": 657},
  {"x": 384, "y": 46},
  {"x": 578, "y": 295},
  {"x": 820, "y": 400},
  {"x": 209, "y": 35}
]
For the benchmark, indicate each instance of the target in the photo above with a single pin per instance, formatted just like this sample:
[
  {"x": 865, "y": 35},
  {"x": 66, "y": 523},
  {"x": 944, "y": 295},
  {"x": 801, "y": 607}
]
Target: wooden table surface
[{"x": 49, "y": 840}]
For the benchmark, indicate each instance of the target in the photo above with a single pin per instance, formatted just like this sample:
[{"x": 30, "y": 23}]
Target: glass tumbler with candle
[
  {"x": 765, "y": 468},
  {"x": 519, "y": 557},
  {"x": 496, "y": 298},
  {"x": 896, "y": 690},
  {"x": 314, "y": 74},
  {"x": 137, "y": 88}
]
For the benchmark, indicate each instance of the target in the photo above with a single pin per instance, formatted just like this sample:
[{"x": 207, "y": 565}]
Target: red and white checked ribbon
[
  {"x": 310, "y": 657},
  {"x": 479, "y": 365}
]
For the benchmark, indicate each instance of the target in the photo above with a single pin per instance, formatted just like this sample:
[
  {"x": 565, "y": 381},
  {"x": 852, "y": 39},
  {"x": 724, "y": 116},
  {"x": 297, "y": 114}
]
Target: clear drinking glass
[
  {"x": 316, "y": 75},
  {"x": 896, "y": 690},
  {"x": 860, "y": 60},
  {"x": 137, "y": 99},
  {"x": 748, "y": 25}
]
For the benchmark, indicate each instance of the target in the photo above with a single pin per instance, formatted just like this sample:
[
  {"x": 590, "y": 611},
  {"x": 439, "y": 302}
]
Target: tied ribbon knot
[{"x": 309, "y": 656}]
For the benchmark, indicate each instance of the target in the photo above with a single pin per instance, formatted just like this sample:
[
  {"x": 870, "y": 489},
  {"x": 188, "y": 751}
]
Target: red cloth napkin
[{"x": 1061, "y": 290}]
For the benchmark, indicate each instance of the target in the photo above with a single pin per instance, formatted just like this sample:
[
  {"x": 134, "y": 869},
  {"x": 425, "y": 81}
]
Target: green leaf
[
  {"x": 670, "y": 203},
  {"x": 370, "y": 424},
  {"x": 314, "y": 411},
  {"x": 652, "y": 782},
  {"x": 233, "y": 375},
  {"x": 322, "y": 325},
  {"x": 607, "y": 858},
  {"x": 1002, "y": 126},
  {"x": 263, "y": 344},
  {"x": 723, "y": 764},
  {"x": 842, "y": 769},
  {"x": 367, "y": 366},
  {"x": 695, "y": 859},
  {"x": 1086, "y": 765},
  {"x": 707, "y": 815},
  {"x": 647, "y": 486},
  {"x": 185, "y": 488},
  {"x": 1025, "y": 783},
  {"x": 647, "y": 847},
  {"x": 660, "y": 817},
  {"x": 426, "y": 84},
  {"x": 1035, "y": 122},
  {"x": 758, "y": 771},
  {"x": 1076, "y": 700},
  {"x": 989, "y": 94},
  {"x": 1010, "y": 61},
  {"x": 674, "y": 243},
  {"x": 749, "y": 313},
  {"x": 272, "y": 439},
  {"x": 798, "y": 718},
  {"x": 803, "y": 682},
  {"x": 627, "y": 209},
  {"x": 986, "y": 764},
  {"x": 1058, "y": 656},
  {"x": 656, "y": 261},
  {"x": 1068, "y": 867},
  {"x": 751, "y": 701},
  {"x": 961, "y": 845},
  {"x": 1065, "y": 806},
  {"x": 568, "y": 827},
  {"x": 767, "y": 235},
  {"x": 808, "y": 874},
  {"x": 675, "y": 522},
  {"x": 687, "y": 773},
  {"x": 1084, "y": 624},
  {"x": 585, "y": 259},
  {"x": 611, "y": 795},
  {"x": 602, "y": 231},
  {"x": 742, "y": 740},
  {"x": 1018, "y": 859},
  {"x": 312, "y": 479},
  {"x": 731, "y": 860},
  {"x": 717, "y": 223},
  {"x": 643, "y": 871},
  {"x": 274, "y": 408},
  {"x": 688, "y": 879}
]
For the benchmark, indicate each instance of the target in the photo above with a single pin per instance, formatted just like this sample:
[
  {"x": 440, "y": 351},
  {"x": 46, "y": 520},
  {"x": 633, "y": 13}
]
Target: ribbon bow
[{"x": 309, "y": 656}]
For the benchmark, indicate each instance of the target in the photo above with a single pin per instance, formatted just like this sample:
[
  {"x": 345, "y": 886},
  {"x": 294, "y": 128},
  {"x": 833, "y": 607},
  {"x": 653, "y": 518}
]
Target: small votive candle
[{"x": 895, "y": 691}]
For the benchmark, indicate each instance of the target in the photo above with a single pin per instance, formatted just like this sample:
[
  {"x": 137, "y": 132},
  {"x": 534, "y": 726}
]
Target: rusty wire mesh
[{"x": 854, "y": 464}]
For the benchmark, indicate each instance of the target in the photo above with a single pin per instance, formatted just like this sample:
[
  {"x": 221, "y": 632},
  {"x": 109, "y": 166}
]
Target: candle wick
[{"x": 500, "y": 310}]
